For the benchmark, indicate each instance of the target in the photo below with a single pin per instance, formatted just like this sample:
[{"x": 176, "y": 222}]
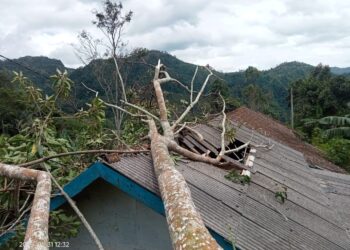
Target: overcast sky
[{"x": 227, "y": 34}]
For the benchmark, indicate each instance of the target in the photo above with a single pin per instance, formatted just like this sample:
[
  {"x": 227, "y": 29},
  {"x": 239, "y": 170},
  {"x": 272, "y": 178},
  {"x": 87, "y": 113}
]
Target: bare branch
[
  {"x": 223, "y": 124},
  {"x": 180, "y": 129},
  {"x": 196, "y": 133},
  {"x": 192, "y": 82},
  {"x": 141, "y": 109},
  {"x": 245, "y": 145},
  {"x": 169, "y": 79},
  {"x": 97, "y": 151},
  {"x": 188, "y": 109},
  {"x": 120, "y": 77},
  {"x": 202, "y": 158},
  {"x": 121, "y": 109},
  {"x": 15, "y": 223},
  {"x": 163, "y": 114},
  {"x": 92, "y": 90}
]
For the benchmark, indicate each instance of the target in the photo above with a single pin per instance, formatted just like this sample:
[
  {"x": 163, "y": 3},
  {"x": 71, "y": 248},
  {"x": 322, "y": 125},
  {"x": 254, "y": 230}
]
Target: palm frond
[
  {"x": 309, "y": 121},
  {"x": 337, "y": 132},
  {"x": 335, "y": 120}
]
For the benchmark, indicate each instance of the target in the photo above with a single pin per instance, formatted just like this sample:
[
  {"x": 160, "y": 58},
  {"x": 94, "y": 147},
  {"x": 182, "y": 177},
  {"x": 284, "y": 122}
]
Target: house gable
[{"x": 100, "y": 170}]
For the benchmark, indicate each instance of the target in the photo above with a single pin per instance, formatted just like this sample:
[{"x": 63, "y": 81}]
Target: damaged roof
[
  {"x": 277, "y": 131},
  {"x": 313, "y": 216}
]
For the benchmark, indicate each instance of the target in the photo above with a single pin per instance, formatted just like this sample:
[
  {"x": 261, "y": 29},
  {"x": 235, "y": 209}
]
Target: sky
[{"x": 229, "y": 35}]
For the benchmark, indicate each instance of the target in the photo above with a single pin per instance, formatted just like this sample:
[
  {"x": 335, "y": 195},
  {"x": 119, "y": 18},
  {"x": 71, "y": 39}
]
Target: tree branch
[
  {"x": 245, "y": 145},
  {"x": 192, "y": 82},
  {"x": 77, "y": 211},
  {"x": 97, "y": 151},
  {"x": 188, "y": 109},
  {"x": 121, "y": 109},
  {"x": 141, "y": 109},
  {"x": 172, "y": 145},
  {"x": 168, "y": 78},
  {"x": 92, "y": 90},
  {"x": 223, "y": 124},
  {"x": 161, "y": 103}
]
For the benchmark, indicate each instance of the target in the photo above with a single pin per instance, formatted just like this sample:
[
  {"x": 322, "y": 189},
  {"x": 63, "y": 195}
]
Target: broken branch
[
  {"x": 172, "y": 145},
  {"x": 98, "y": 151}
]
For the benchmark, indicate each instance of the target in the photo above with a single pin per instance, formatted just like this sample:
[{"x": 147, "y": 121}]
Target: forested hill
[
  {"x": 273, "y": 83},
  {"x": 36, "y": 68}
]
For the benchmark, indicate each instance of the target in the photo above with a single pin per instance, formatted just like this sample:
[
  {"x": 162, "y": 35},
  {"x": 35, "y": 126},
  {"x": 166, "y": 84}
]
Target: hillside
[
  {"x": 274, "y": 81},
  {"x": 340, "y": 71},
  {"x": 42, "y": 67}
]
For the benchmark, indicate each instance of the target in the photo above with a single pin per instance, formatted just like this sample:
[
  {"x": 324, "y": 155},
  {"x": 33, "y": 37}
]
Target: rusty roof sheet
[
  {"x": 279, "y": 132},
  {"x": 314, "y": 216}
]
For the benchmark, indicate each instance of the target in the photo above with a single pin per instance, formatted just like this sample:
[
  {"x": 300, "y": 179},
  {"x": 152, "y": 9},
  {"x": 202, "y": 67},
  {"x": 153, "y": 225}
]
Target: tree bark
[
  {"x": 186, "y": 227},
  {"x": 38, "y": 225}
]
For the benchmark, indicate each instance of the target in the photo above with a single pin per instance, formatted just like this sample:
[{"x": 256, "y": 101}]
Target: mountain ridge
[{"x": 275, "y": 80}]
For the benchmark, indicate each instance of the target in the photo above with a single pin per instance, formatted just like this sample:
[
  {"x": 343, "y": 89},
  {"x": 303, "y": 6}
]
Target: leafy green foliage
[
  {"x": 213, "y": 103},
  {"x": 41, "y": 135},
  {"x": 340, "y": 126},
  {"x": 12, "y": 106},
  {"x": 133, "y": 131},
  {"x": 281, "y": 195},
  {"x": 321, "y": 104},
  {"x": 176, "y": 158},
  {"x": 320, "y": 95},
  {"x": 337, "y": 149},
  {"x": 62, "y": 84},
  {"x": 63, "y": 226},
  {"x": 230, "y": 133},
  {"x": 236, "y": 177}
]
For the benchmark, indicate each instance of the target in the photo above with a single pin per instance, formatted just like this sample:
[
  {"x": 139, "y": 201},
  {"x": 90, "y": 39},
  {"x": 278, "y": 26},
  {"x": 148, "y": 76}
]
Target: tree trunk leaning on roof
[
  {"x": 186, "y": 227},
  {"x": 187, "y": 230}
]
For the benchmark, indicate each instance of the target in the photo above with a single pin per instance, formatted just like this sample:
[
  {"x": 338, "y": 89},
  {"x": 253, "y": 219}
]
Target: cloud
[{"x": 229, "y": 35}]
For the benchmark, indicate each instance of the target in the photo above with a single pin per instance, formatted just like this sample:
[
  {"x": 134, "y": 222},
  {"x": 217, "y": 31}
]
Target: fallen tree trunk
[{"x": 186, "y": 227}]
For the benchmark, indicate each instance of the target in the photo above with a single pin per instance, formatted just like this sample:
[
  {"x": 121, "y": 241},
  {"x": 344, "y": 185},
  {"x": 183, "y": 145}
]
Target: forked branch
[{"x": 194, "y": 102}]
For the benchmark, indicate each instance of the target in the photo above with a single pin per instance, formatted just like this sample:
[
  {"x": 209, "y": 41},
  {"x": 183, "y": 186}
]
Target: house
[{"x": 121, "y": 199}]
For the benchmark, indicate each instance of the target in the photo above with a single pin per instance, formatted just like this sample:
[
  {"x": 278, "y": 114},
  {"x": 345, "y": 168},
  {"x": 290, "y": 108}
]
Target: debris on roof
[
  {"x": 281, "y": 133},
  {"x": 312, "y": 214}
]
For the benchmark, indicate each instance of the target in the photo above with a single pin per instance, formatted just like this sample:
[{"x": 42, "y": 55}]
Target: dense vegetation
[
  {"x": 34, "y": 126},
  {"x": 322, "y": 108},
  {"x": 269, "y": 86}
]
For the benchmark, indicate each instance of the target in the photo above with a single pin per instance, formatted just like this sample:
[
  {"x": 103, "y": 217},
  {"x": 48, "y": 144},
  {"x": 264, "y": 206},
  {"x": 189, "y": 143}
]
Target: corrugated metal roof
[
  {"x": 279, "y": 132},
  {"x": 314, "y": 216}
]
